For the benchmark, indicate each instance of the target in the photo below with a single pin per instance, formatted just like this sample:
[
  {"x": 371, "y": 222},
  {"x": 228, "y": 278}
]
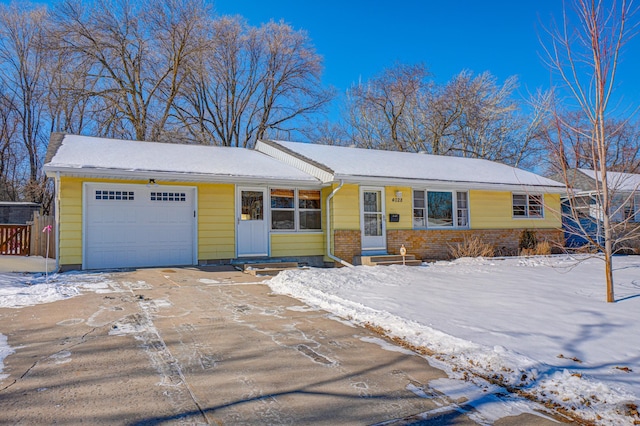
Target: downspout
[
  {"x": 57, "y": 219},
  {"x": 329, "y": 254}
]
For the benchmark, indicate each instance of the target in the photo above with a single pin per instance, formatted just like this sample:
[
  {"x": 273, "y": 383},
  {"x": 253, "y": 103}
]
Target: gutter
[
  {"x": 447, "y": 184},
  {"x": 329, "y": 254},
  {"x": 144, "y": 175}
]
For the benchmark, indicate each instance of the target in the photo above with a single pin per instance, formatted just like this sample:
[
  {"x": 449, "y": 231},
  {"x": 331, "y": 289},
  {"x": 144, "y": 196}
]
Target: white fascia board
[
  {"x": 280, "y": 155},
  {"x": 178, "y": 177},
  {"x": 444, "y": 184}
]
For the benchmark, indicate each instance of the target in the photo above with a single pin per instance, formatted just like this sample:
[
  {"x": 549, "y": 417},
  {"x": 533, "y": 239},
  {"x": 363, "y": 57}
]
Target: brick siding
[
  {"x": 434, "y": 244},
  {"x": 347, "y": 244}
]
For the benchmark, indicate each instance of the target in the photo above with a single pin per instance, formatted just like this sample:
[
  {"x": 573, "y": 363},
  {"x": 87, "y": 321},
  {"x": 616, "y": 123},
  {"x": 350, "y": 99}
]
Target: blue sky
[{"x": 360, "y": 38}]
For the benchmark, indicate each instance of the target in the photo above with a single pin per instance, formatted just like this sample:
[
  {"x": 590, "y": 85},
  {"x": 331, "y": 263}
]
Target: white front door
[
  {"x": 372, "y": 220},
  {"x": 252, "y": 232}
]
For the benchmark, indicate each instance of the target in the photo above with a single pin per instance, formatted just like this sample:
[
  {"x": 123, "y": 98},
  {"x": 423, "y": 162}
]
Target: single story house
[
  {"x": 134, "y": 204},
  {"x": 583, "y": 215}
]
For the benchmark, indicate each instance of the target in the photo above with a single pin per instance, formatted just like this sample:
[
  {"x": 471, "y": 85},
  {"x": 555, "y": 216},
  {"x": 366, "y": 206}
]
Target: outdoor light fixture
[
  {"x": 152, "y": 182},
  {"x": 398, "y": 194}
]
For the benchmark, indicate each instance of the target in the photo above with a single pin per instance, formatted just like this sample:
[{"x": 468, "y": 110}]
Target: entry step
[
  {"x": 389, "y": 259},
  {"x": 270, "y": 268}
]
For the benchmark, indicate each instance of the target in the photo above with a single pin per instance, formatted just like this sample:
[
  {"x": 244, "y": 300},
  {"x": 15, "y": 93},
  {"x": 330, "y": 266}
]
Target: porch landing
[
  {"x": 387, "y": 259},
  {"x": 270, "y": 268}
]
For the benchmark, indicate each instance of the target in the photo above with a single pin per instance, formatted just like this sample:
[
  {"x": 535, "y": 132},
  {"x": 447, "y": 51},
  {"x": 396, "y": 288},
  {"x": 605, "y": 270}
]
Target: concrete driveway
[
  {"x": 26, "y": 264},
  {"x": 210, "y": 346}
]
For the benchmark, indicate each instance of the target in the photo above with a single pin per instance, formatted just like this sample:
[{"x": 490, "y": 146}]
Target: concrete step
[
  {"x": 382, "y": 259},
  {"x": 269, "y": 268},
  {"x": 413, "y": 262}
]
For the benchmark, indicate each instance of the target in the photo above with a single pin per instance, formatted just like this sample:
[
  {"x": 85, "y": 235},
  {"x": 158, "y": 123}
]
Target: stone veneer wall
[{"x": 434, "y": 243}]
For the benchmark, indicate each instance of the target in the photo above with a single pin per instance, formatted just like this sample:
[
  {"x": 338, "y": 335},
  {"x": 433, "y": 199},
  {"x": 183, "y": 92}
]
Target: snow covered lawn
[{"x": 538, "y": 324}]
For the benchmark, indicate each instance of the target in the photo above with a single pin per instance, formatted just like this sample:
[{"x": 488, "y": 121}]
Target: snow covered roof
[
  {"x": 616, "y": 180},
  {"x": 334, "y": 163},
  {"x": 92, "y": 156}
]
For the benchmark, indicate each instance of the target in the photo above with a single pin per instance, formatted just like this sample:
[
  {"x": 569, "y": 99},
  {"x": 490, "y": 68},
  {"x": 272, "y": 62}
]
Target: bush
[
  {"x": 471, "y": 247},
  {"x": 543, "y": 248},
  {"x": 528, "y": 240},
  {"x": 529, "y": 245}
]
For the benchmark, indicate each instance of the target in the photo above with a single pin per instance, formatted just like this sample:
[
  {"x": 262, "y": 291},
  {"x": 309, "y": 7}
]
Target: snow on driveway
[{"x": 539, "y": 324}]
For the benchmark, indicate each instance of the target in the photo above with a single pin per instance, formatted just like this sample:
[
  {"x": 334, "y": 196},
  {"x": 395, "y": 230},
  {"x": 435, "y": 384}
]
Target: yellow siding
[
  {"x": 494, "y": 210},
  {"x": 399, "y": 205},
  {"x": 345, "y": 207},
  {"x": 216, "y": 221},
  {"x": 70, "y": 250},
  {"x": 310, "y": 244}
]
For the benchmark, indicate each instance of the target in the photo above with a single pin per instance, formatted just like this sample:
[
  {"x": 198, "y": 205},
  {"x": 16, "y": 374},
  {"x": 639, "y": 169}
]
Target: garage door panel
[{"x": 132, "y": 225}]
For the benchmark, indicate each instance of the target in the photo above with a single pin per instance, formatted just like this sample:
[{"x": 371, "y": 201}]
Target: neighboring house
[
  {"x": 17, "y": 212},
  {"x": 586, "y": 193},
  {"x": 129, "y": 204}
]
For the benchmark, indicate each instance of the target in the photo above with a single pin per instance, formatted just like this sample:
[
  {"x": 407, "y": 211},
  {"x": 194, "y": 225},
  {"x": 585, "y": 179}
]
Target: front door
[
  {"x": 252, "y": 223},
  {"x": 372, "y": 220}
]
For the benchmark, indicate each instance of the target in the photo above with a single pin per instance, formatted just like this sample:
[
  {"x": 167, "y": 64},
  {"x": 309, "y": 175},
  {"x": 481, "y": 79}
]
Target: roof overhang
[
  {"x": 447, "y": 184},
  {"x": 99, "y": 173}
]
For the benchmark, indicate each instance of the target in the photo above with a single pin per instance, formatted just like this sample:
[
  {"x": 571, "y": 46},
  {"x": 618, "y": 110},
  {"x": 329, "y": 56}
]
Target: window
[
  {"x": 309, "y": 209},
  {"x": 440, "y": 209},
  {"x": 418, "y": 209},
  {"x": 114, "y": 195},
  {"x": 462, "y": 210},
  {"x": 283, "y": 209},
  {"x": 527, "y": 205},
  {"x": 293, "y": 210},
  {"x": 252, "y": 202},
  {"x": 168, "y": 196}
]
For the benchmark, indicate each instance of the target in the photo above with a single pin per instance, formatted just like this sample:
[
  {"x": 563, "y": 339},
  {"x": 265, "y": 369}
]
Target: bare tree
[
  {"x": 586, "y": 55},
  {"x": 22, "y": 72},
  {"x": 251, "y": 83},
  {"x": 136, "y": 56},
  {"x": 575, "y": 149},
  {"x": 470, "y": 116},
  {"x": 10, "y": 150},
  {"x": 384, "y": 112}
]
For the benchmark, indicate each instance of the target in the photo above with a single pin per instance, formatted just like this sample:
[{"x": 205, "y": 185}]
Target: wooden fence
[
  {"x": 41, "y": 228},
  {"x": 15, "y": 240}
]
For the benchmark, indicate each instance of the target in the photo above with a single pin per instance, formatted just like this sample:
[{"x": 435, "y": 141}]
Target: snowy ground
[{"x": 539, "y": 324}]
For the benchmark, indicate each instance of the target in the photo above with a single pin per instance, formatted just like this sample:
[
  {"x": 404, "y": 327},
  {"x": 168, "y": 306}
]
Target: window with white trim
[
  {"x": 114, "y": 195},
  {"x": 528, "y": 206},
  {"x": 168, "y": 196},
  {"x": 462, "y": 209},
  {"x": 295, "y": 210},
  {"x": 440, "y": 209}
]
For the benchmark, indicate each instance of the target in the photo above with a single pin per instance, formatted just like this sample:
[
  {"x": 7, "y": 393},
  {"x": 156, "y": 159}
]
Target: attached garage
[{"x": 129, "y": 225}]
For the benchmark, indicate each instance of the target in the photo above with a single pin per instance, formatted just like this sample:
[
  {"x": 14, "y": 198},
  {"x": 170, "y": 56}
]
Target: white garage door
[{"x": 137, "y": 225}]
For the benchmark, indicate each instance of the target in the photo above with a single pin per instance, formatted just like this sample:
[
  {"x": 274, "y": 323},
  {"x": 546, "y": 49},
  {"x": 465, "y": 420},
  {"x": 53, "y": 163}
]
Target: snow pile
[
  {"x": 20, "y": 290},
  {"x": 539, "y": 325}
]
